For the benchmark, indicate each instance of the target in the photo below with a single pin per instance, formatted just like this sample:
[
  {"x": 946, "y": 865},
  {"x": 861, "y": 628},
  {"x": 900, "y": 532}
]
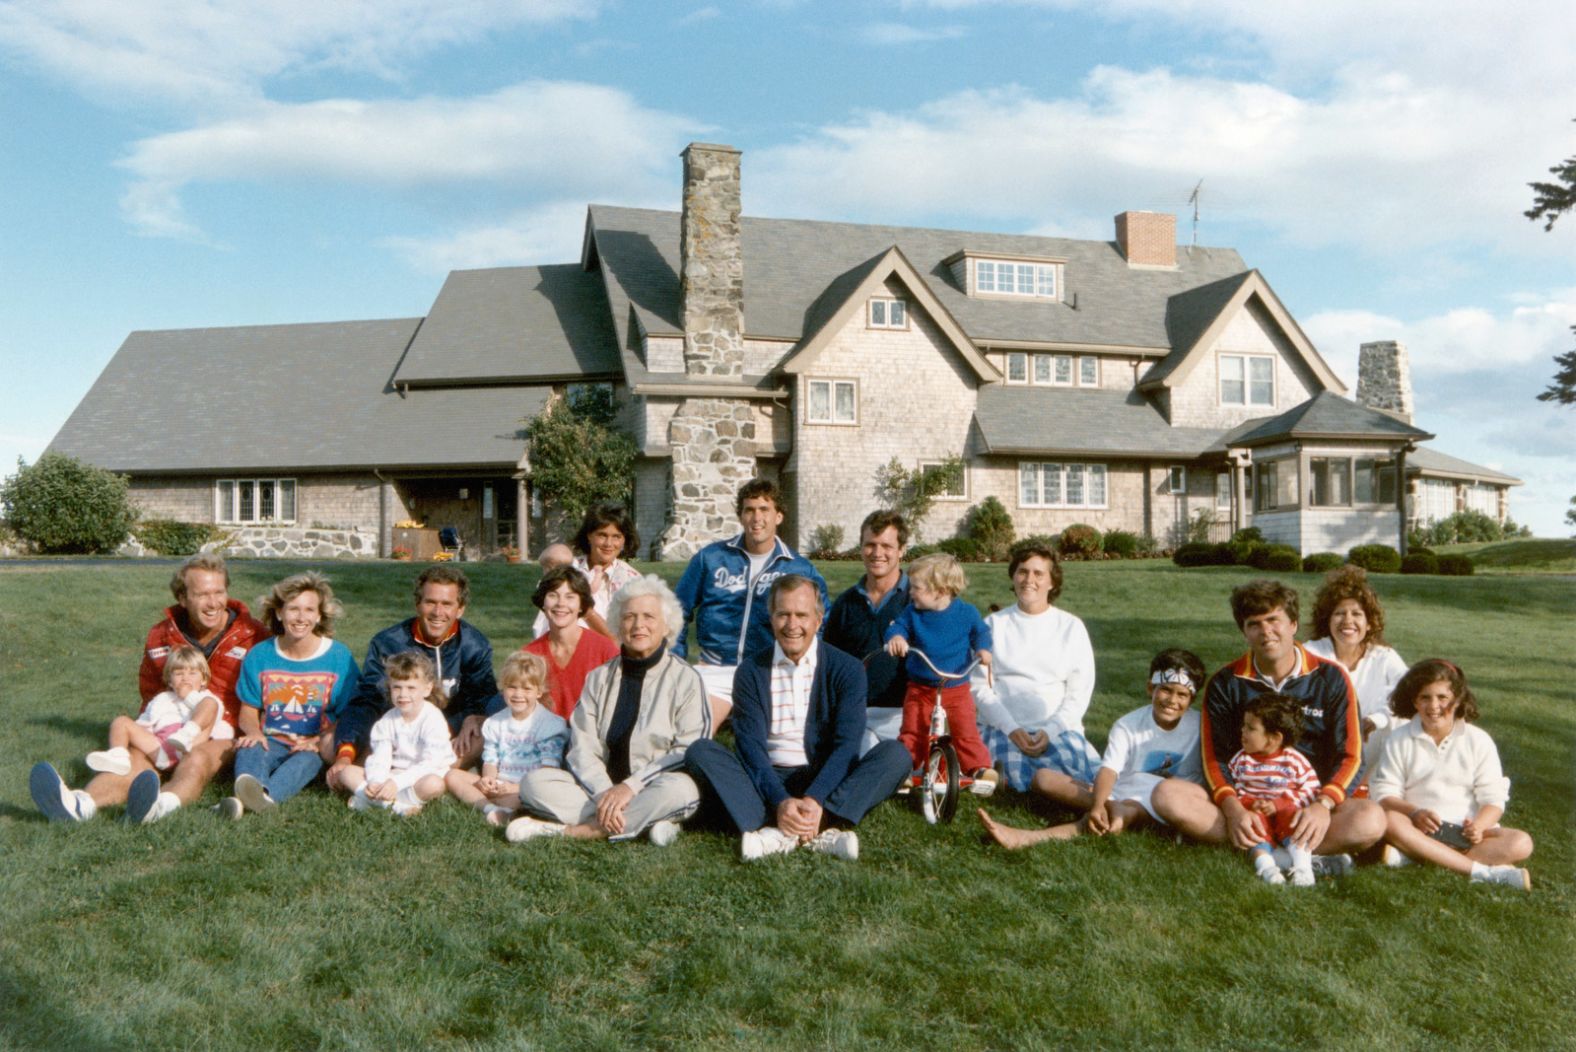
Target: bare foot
[{"x": 1008, "y": 837}]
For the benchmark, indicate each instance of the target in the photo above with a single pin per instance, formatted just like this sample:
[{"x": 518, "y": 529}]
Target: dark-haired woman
[
  {"x": 570, "y": 649},
  {"x": 1348, "y": 628},
  {"x": 607, "y": 538}
]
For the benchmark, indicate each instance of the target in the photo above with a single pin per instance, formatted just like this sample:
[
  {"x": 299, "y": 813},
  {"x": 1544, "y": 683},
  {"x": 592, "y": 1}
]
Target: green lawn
[
  {"x": 318, "y": 928},
  {"x": 1520, "y": 555}
]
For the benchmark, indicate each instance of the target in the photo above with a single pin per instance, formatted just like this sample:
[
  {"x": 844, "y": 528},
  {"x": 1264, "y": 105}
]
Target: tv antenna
[{"x": 1193, "y": 199}]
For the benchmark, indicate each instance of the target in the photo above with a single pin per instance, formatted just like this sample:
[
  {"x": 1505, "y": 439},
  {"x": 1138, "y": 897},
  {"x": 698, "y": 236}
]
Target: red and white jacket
[{"x": 224, "y": 664}]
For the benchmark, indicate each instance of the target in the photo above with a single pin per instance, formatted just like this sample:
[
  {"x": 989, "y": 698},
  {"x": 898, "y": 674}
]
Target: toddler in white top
[
  {"x": 515, "y": 741},
  {"x": 410, "y": 748},
  {"x": 172, "y": 724},
  {"x": 1441, "y": 785}
]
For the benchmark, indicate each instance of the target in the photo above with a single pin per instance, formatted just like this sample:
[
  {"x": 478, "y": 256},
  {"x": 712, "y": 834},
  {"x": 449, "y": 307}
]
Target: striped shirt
[
  {"x": 1278, "y": 776},
  {"x": 791, "y": 684}
]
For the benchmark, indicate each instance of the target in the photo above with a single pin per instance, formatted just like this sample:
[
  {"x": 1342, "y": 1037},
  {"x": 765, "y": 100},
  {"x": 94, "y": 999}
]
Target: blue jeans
[{"x": 282, "y": 772}]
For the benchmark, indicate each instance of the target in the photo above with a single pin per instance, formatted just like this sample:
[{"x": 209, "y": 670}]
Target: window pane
[
  {"x": 287, "y": 499},
  {"x": 985, "y": 275},
  {"x": 1028, "y": 484},
  {"x": 878, "y": 312},
  {"x": 820, "y": 400},
  {"x": 1075, "y": 485},
  {"x": 1018, "y": 367},
  {"x": 1042, "y": 368},
  {"x": 1286, "y": 484},
  {"x": 226, "y": 508},
  {"x": 845, "y": 403},
  {"x": 265, "y": 500},
  {"x": 1089, "y": 372},
  {"x": 1045, "y": 281},
  {"x": 1386, "y": 477},
  {"x": 1178, "y": 482},
  {"x": 248, "y": 512},
  {"x": 1051, "y": 491},
  {"x": 1064, "y": 368},
  {"x": 1232, "y": 388},
  {"x": 1097, "y": 485},
  {"x": 1223, "y": 489},
  {"x": 1363, "y": 481},
  {"x": 896, "y": 314},
  {"x": 1266, "y": 486},
  {"x": 1261, "y": 375}
]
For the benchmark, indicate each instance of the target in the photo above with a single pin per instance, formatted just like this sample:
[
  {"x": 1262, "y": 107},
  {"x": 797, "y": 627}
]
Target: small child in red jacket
[{"x": 1274, "y": 781}]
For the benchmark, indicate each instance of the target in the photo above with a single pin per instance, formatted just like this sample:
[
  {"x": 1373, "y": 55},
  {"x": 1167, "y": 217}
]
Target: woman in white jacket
[{"x": 1032, "y": 715}]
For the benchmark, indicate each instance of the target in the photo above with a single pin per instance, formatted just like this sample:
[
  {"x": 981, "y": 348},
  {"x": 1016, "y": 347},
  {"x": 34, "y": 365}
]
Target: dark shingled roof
[
  {"x": 788, "y": 264},
  {"x": 514, "y": 324},
  {"x": 1014, "y": 419},
  {"x": 1188, "y": 315},
  {"x": 282, "y": 398},
  {"x": 1426, "y": 461},
  {"x": 1325, "y": 415}
]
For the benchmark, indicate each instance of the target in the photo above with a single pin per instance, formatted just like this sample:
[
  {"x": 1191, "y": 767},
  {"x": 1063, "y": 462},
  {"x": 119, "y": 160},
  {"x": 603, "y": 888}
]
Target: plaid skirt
[{"x": 1070, "y": 753}]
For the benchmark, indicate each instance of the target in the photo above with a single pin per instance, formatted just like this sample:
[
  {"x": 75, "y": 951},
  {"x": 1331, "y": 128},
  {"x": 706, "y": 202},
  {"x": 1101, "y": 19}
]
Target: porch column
[
  {"x": 1239, "y": 494},
  {"x": 1400, "y": 498},
  {"x": 522, "y": 517}
]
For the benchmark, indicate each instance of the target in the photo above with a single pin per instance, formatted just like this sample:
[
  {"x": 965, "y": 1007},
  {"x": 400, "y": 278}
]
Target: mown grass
[
  {"x": 318, "y": 928},
  {"x": 1521, "y": 555}
]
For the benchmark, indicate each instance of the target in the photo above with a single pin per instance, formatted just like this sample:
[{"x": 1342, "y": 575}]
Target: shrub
[
  {"x": 1198, "y": 527},
  {"x": 1249, "y": 533},
  {"x": 963, "y": 549},
  {"x": 1322, "y": 562},
  {"x": 1148, "y": 547},
  {"x": 1121, "y": 544},
  {"x": 579, "y": 457},
  {"x": 1420, "y": 562},
  {"x": 1463, "y": 527},
  {"x": 1454, "y": 565},
  {"x": 912, "y": 492},
  {"x": 1197, "y": 554},
  {"x": 61, "y": 505},
  {"x": 1079, "y": 541},
  {"x": 919, "y": 551},
  {"x": 991, "y": 528},
  {"x": 1275, "y": 557},
  {"x": 1241, "y": 551},
  {"x": 1375, "y": 558},
  {"x": 1417, "y": 549},
  {"x": 169, "y": 537},
  {"x": 825, "y": 541}
]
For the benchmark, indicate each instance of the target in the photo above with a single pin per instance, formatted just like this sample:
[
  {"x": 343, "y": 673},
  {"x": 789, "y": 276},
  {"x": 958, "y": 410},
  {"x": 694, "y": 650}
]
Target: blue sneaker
[
  {"x": 142, "y": 796},
  {"x": 51, "y": 795}
]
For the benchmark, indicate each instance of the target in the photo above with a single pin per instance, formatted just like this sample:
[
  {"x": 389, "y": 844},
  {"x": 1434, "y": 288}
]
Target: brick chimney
[
  {"x": 713, "y": 438},
  {"x": 1384, "y": 378},
  {"x": 1147, "y": 239}
]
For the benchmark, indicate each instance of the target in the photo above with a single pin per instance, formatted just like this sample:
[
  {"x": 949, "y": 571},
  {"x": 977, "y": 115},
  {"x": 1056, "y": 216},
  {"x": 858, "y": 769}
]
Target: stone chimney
[
  {"x": 1147, "y": 239},
  {"x": 712, "y": 438},
  {"x": 1384, "y": 378}
]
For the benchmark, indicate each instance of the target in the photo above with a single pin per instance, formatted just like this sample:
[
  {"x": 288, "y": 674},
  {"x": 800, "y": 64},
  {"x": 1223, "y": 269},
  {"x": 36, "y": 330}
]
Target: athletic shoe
[
  {"x": 1271, "y": 875},
  {"x": 253, "y": 794},
  {"x": 1332, "y": 865},
  {"x": 110, "y": 761},
  {"x": 143, "y": 797},
  {"x": 839, "y": 843},
  {"x": 400, "y": 807},
  {"x": 181, "y": 740},
  {"x": 359, "y": 800},
  {"x": 230, "y": 807},
  {"x": 985, "y": 781},
  {"x": 1394, "y": 857},
  {"x": 1510, "y": 876},
  {"x": 528, "y": 828},
  {"x": 53, "y": 798},
  {"x": 767, "y": 840},
  {"x": 663, "y": 833}
]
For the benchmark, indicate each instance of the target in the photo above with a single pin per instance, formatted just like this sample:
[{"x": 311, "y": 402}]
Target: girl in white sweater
[{"x": 1441, "y": 785}]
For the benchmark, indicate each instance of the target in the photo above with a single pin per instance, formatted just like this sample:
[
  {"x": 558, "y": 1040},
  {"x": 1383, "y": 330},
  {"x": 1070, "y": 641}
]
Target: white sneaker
[
  {"x": 528, "y": 828},
  {"x": 767, "y": 840},
  {"x": 53, "y": 798},
  {"x": 110, "y": 761},
  {"x": 985, "y": 782},
  {"x": 1302, "y": 877},
  {"x": 230, "y": 807},
  {"x": 1333, "y": 865},
  {"x": 664, "y": 833},
  {"x": 181, "y": 740},
  {"x": 1394, "y": 857},
  {"x": 839, "y": 843},
  {"x": 253, "y": 794},
  {"x": 400, "y": 807},
  {"x": 1267, "y": 870},
  {"x": 359, "y": 800},
  {"x": 1510, "y": 876}
]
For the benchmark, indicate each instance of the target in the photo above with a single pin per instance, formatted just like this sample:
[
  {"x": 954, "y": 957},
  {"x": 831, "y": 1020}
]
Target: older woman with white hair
[{"x": 636, "y": 718}]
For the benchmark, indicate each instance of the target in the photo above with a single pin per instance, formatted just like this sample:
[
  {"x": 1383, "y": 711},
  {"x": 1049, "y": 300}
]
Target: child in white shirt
[
  {"x": 1441, "y": 785},
  {"x": 521, "y": 738},
  {"x": 172, "y": 724},
  {"x": 410, "y": 748}
]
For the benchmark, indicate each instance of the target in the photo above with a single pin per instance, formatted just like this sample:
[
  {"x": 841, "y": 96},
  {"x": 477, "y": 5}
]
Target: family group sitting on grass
[{"x": 1300, "y": 756}]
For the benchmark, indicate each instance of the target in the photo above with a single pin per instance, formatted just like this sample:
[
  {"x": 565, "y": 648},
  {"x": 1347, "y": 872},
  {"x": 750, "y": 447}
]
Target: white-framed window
[
  {"x": 1484, "y": 498},
  {"x": 1042, "y": 368},
  {"x": 1176, "y": 479},
  {"x": 1064, "y": 370},
  {"x": 1048, "y": 485},
  {"x": 959, "y": 490},
  {"x": 1017, "y": 367},
  {"x": 1247, "y": 379},
  {"x": 1222, "y": 489},
  {"x": 1436, "y": 499},
  {"x": 1330, "y": 482},
  {"x": 833, "y": 402},
  {"x": 1373, "y": 481},
  {"x": 1088, "y": 371},
  {"x": 254, "y": 500},
  {"x": 887, "y": 313},
  {"x": 1003, "y": 277},
  {"x": 1276, "y": 485}
]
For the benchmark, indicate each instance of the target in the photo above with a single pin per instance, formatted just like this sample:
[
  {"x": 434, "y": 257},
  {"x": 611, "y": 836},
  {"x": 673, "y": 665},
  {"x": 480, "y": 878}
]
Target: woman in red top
[{"x": 570, "y": 649}]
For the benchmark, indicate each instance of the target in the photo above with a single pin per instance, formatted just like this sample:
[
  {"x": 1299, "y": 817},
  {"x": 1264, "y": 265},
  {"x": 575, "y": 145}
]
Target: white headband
[{"x": 1174, "y": 676}]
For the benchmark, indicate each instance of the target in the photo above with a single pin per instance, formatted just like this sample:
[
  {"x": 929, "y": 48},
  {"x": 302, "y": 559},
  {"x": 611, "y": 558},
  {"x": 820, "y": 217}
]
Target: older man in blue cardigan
[{"x": 799, "y": 722}]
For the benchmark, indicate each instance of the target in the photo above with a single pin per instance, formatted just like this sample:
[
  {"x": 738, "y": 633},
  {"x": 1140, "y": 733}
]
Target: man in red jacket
[{"x": 203, "y": 616}]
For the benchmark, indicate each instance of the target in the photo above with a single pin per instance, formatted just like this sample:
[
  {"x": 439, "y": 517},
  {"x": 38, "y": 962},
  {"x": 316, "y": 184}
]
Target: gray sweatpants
[{"x": 553, "y": 793}]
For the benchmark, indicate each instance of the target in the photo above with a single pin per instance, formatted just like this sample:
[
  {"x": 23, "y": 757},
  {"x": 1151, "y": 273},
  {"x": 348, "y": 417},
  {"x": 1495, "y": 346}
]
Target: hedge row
[{"x": 1375, "y": 558}]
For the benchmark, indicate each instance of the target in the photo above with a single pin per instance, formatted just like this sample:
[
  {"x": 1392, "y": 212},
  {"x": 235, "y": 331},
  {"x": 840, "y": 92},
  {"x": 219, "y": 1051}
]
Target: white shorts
[
  {"x": 1139, "y": 788},
  {"x": 881, "y": 725},
  {"x": 718, "y": 680}
]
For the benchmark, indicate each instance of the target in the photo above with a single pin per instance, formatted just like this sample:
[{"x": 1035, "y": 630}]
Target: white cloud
[
  {"x": 550, "y": 232},
  {"x": 550, "y": 139},
  {"x": 217, "y": 53},
  {"x": 898, "y": 34},
  {"x": 700, "y": 14}
]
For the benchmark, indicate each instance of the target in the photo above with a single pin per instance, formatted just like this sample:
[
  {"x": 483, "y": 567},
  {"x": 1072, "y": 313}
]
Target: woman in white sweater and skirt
[{"x": 1031, "y": 717}]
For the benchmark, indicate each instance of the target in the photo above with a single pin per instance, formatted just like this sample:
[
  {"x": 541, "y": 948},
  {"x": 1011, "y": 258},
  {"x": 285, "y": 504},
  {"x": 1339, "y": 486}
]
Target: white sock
[
  {"x": 85, "y": 805},
  {"x": 1263, "y": 860},
  {"x": 496, "y": 809},
  {"x": 408, "y": 797},
  {"x": 1480, "y": 872},
  {"x": 1301, "y": 857}
]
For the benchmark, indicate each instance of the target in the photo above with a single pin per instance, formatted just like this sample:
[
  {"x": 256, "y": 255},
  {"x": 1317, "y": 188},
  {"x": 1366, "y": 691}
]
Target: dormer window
[
  {"x": 1247, "y": 380},
  {"x": 1053, "y": 370},
  {"x": 888, "y": 313},
  {"x": 1009, "y": 278}
]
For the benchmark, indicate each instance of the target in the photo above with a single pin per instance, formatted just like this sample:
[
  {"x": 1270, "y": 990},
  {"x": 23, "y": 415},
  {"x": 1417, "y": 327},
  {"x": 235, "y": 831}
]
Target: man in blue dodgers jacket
[
  {"x": 799, "y": 723},
  {"x": 724, "y": 589},
  {"x": 460, "y": 653}
]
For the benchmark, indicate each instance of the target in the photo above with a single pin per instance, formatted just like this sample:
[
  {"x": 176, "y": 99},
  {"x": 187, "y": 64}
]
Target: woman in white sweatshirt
[{"x": 1032, "y": 716}]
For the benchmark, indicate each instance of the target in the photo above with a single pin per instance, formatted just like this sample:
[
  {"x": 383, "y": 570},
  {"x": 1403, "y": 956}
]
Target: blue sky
[{"x": 183, "y": 163}]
